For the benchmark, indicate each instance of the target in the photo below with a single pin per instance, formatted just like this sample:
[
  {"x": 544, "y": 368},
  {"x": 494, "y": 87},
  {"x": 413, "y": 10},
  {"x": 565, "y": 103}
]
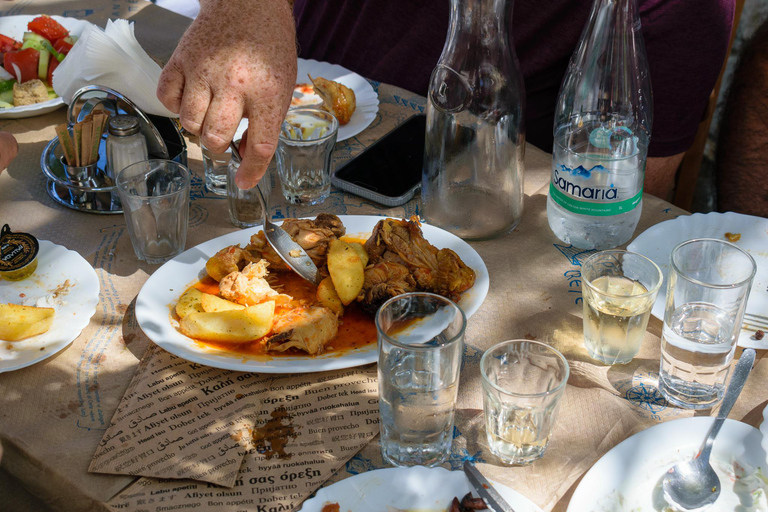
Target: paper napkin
[{"x": 112, "y": 58}]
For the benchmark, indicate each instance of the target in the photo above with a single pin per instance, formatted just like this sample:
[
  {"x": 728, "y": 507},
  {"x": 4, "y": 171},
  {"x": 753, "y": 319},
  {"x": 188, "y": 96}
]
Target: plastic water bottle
[{"x": 601, "y": 132}]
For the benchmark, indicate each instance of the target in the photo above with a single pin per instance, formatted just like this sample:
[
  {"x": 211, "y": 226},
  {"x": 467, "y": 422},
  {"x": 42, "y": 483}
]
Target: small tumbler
[
  {"x": 243, "y": 204},
  {"x": 523, "y": 382},
  {"x": 304, "y": 155},
  {"x": 155, "y": 198},
  {"x": 215, "y": 166},
  {"x": 421, "y": 339}
]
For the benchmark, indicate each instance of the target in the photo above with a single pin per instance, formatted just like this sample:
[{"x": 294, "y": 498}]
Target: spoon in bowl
[
  {"x": 289, "y": 250},
  {"x": 694, "y": 484}
]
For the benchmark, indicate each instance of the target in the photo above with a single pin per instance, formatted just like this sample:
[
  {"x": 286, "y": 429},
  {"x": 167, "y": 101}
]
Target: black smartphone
[{"x": 389, "y": 170}]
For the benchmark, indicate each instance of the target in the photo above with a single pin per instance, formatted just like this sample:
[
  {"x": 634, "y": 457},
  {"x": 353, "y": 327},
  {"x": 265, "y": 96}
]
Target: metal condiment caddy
[{"x": 99, "y": 194}]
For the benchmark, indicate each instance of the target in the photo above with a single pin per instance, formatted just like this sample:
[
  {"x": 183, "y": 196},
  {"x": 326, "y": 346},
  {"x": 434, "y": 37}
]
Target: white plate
[
  {"x": 635, "y": 466},
  {"x": 764, "y": 434},
  {"x": 658, "y": 241},
  {"x": 15, "y": 26},
  {"x": 74, "y": 307},
  {"x": 365, "y": 97},
  {"x": 162, "y": 290},
  {"x": 416, "y": 488}
]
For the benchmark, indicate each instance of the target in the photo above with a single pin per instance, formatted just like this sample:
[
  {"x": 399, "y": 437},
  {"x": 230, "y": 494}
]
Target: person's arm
[
  {"x": 237, "y": 59},
  {"x": 660, "y": 175},
  {"x": 8, "y": 149}
]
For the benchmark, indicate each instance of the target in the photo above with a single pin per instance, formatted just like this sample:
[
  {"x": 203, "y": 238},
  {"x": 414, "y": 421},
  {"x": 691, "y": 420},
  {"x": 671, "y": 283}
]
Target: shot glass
[
  {"x": 303, "y": 155},
  {"x": 619, "y": 291},
  {"x": 215, "y": 166},
  {"x": 243, "y": 204},
  {"x": 707, "y": 291},
  {"x": 155, "y": 198},
  {"x": 421, "y": 338},
  {"x": 523, "y": 382}
]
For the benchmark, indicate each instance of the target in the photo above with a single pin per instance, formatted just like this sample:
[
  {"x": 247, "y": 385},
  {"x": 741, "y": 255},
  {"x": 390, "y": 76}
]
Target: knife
[{"x": 485, "y": 489}]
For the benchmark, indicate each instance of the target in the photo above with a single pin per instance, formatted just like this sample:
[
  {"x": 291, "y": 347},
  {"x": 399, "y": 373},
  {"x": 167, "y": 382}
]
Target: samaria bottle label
[{"x": 574, "y": 189}]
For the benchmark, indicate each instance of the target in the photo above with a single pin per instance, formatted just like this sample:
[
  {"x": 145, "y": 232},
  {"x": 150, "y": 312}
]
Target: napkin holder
[{"x": 99, "y": 194}]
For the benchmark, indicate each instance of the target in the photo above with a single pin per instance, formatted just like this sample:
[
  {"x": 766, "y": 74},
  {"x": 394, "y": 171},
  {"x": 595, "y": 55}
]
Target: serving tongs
[{"x": 289, "y": 251}]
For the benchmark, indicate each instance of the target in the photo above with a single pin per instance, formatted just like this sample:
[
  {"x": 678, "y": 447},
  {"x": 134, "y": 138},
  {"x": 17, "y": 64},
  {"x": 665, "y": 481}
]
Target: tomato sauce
[{"x": 356, "y": 328}]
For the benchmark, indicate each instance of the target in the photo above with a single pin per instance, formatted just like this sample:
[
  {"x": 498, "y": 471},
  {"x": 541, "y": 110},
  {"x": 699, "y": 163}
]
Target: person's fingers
[
  {"x": 170, "y": 87},
  {"x": 259, "y": 143},
  {"x": 194, "y": 104},
  {"x": 8, "y": 149},
  {"x": 221, "y": 121}
]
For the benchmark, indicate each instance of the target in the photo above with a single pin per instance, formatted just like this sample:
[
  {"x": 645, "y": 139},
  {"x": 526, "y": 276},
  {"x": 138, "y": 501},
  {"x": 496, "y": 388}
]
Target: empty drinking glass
[{"x": 155, "y": 198}]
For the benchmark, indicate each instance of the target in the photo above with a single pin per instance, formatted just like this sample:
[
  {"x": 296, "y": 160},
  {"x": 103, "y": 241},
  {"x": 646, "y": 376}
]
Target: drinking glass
[
  {"x": 243, "y": 204},
  {"x": 215, "y": 166},
  {"x": 421, "y": 337},
  {"x": 707, "y": 291},
  {"x": 303, "y": 155},
  {"x": 155, "y": 198},
  {"x": 620, "y": 290},
  {"x": 523, "y": 382}
]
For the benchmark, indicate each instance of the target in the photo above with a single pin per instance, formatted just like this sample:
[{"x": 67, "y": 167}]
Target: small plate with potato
[
  {"x": 43, "y": 313},
  {"x": 181, "y": 297}
]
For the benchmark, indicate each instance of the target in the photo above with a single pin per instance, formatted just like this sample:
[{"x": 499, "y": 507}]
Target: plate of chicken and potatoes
[{"x": 232, "y": 303}]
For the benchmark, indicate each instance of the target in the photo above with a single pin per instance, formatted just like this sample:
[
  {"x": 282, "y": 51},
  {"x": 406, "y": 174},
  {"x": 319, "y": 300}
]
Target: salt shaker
[{"x": 125, "y": 145}]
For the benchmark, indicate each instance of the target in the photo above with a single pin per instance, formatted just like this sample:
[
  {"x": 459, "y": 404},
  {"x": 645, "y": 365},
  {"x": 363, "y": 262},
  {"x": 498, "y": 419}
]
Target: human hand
[
  {"x": 8, "y": 149},
  {"x": 237, "y": 59}
]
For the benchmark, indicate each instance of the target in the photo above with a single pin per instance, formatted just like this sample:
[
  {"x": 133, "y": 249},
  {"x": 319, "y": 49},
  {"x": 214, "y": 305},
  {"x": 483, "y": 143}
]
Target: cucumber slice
[
  {"x": 31, "y": 36},
  {"x": 42, "y": 65},
  {"x": 7, "y": 85},
  {"x": 7, "y": 96},
  {"x": 52, "y": 95},
  {"x": 32, "y": 43},
  {"x": 4, "y": 104}
]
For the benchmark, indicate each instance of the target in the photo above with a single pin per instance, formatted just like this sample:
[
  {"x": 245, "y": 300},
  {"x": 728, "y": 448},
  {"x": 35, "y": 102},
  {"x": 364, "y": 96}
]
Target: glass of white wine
[
  {"x": 620, "y": 288},
  {"x": 523, "y": 382}
]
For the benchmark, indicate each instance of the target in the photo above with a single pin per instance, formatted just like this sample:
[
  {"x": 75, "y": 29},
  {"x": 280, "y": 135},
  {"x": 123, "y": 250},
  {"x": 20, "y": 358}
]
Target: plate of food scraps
[
  {"x": 64, "y": 281},
  {"x": 748, "y": 232},
  {"x": 628, "y": 477},
  {"x": 404, "y": 490},
  {"x": 353, "y": 345}
]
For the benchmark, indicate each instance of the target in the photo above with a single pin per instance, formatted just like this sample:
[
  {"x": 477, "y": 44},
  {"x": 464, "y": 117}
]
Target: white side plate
[{"x": 75, "y": 305}]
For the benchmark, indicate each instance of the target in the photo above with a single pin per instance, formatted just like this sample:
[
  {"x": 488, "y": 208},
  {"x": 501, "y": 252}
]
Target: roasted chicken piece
[
  {"x": 338, "y": 99},
  {"x": 307, "y": 327},
  {"x": 435, "y": 270},
  {"x": 250, "y": 286},
  {"x": 314, "y": 236},
  {"x": 228, "y": 260},
  {"x": 383, "y": 281}
]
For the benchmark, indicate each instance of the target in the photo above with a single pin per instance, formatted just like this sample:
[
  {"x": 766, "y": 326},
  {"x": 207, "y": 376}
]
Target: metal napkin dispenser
[{"x": 99, "y": 194}]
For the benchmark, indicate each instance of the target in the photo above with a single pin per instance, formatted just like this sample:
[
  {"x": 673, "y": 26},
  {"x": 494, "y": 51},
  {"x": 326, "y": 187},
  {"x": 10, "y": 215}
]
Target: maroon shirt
[{"x": 400, "y": 41}]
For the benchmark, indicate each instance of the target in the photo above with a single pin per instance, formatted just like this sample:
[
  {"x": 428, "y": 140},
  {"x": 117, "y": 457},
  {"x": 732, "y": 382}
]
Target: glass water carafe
[{"x": 472, "y": 182}]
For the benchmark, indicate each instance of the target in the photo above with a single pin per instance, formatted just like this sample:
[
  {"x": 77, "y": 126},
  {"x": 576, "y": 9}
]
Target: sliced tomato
[
  {"x": 52, "y": 64},
  {"x": 62, "y": 45},
  {"x": 25, "y": 60},
  {"x": 8, "y": 44},
  {"x": 47, "y": 27}
]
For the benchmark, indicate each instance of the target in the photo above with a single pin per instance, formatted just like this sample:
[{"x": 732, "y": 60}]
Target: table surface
[{"x": 53, "y": 414}]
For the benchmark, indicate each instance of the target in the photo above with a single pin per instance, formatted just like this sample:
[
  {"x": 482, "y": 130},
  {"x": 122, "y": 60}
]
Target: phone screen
[{"x": 390, "y": 167}]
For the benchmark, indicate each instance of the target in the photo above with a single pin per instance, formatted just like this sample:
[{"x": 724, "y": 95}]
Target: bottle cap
[
  {"x": 18, "y": 254},
  {"x": 123, "y": 125}
]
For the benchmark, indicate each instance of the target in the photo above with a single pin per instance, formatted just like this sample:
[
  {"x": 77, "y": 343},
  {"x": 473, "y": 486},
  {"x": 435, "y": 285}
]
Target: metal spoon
[
  {"x": 289, "y": 251},
  {"x": 694, "y": 484}
]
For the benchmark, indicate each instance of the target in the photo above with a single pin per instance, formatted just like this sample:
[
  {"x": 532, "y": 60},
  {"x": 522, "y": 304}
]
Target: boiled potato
[
  {"x": 20, "y": 322},
  {"x": 346, "y": 269},
  {"x": 236, "y": 325},
  {"x": 212, "y": 304},
  {"x": 189, "y": 302},
  {"x": 360, "y": 250},
  {"x": 327, "y": 296}
]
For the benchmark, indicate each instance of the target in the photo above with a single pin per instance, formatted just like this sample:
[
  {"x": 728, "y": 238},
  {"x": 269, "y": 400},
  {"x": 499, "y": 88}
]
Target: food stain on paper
[{"x": 272, "y": 438}]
